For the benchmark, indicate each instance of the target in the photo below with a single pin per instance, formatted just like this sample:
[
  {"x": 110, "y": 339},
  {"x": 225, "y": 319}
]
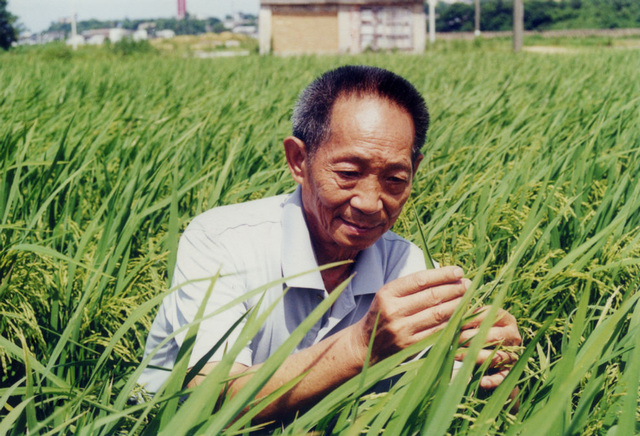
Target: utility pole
[
  {"x": 74, "y": 30},
  {"x": 518, "y": 25},
  {"x": 432, "y": 20},
  {"x": 477, "y": 31}
]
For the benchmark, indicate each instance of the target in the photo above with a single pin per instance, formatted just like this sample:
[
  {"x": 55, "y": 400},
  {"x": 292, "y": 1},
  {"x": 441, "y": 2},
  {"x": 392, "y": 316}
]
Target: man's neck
[
  {"x": 327, "y": 252},
  {"x": 334, "y": 276}
]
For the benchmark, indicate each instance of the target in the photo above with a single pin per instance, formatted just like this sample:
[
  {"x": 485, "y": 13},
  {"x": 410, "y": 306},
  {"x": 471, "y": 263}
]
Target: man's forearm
[{"x": 329, "y": 363}]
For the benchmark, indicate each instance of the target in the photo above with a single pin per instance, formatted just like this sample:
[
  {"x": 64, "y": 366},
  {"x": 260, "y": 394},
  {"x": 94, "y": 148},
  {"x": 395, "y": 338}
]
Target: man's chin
[
  {"x": 357, "y": 243},
  {"x": 354, "y": 232}
]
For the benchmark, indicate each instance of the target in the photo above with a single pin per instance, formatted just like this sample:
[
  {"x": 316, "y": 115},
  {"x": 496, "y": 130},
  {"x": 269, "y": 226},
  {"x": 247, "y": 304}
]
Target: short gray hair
[{"x": 312, "y": 113}]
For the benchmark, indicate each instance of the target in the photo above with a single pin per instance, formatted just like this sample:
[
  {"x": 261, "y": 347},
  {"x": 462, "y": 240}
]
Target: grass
[{"x": 530, "y": 182}]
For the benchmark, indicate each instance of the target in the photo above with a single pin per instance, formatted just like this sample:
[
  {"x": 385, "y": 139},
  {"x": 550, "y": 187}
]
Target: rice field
[{"x": 530, "y": 182}]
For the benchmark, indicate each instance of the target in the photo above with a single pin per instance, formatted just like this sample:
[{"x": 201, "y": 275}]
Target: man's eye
[
  {"x": 348, "y": 174},
  {"x": 397, "y": 180}
]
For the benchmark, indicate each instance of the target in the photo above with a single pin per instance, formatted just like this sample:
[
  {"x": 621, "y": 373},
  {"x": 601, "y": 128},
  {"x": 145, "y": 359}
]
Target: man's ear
[
  {"x": 416, "y": 164},
  {"x": 296, "y": 153}
]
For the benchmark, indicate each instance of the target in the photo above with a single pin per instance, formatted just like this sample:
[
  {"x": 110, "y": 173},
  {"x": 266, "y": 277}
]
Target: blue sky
[{"x": 36, "y": 15}]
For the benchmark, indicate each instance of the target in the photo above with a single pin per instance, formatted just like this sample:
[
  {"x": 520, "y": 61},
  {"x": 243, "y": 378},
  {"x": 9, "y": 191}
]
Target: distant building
[
  {"x": 238, "y": 20},
  {"x": 51, "y": 36},
  {"x": 165, "y": 34},
  {"x": 27, "y": 38},
  {"x": 75, "y": 40},
  {"x": 182, "y": 9},
  {"x": 140, "y": 35},
  {"x": 96, "y": 40},
  {"x": 246, "y": 30},
  {"x": 118, "y": 34},
  {"x": 88, "y": 34},
  {"x": 147, "y": 25},
  {"x": 341, "y": 26}
]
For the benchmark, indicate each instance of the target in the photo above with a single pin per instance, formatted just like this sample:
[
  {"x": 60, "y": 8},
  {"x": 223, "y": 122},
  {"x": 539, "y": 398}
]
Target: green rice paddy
[{"x": 530, "y": 182}]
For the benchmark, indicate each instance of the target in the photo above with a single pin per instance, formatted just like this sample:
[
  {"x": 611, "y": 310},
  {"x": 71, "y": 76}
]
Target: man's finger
[
  {"x": 504, "y": 330},
  {"x": 433, "y": 317},
  {"x": 424, "y": 279},
  {"x": 507, "y": 336},
  {"x": 434, "y": 296},
  {"x": 499, "y": 359},
  {"x": 492, "y": 381},
  {"x": 502, "y": 318}
]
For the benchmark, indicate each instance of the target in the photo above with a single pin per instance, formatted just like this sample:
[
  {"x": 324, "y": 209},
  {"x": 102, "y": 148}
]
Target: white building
[
  {"x": 96, "y": 40},
  {"x": 95, "y": 36},
  {"x": 165, "y": 34},
  {"x": 341, "y": 26},
  {"x": 75, "y": 40},
  {"x": 117, "y": 34},
  {"x": 140, "y": 35},
  {"x": 246, "y": 30}
]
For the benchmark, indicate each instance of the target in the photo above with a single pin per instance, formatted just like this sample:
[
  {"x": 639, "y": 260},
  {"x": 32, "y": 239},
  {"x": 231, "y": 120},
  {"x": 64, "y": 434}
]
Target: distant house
[
  {"x": 28, "y": 38},
  {"x": 146, "y": 25},
  {"x": 96, "y": 40},
  {"x": 140, "y": 35},
  {"x": 341, "y": 26},
  {"x": 246, "y": 30},
  {"x": 238, "y": 19},
  {"x": 95, "y": 35},
  {"x": 165, "y": 34},
  {"x": 75, "y": 40}
]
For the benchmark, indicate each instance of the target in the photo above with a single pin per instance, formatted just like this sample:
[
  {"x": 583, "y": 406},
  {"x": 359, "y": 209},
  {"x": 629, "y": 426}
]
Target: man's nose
[{"x": 367, "y": 197}]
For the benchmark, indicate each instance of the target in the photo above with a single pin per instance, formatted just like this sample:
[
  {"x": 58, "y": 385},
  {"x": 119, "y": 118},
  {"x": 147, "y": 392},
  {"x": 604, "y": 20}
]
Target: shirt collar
[
  {"x": 369, "y": 276},
  {"x": 297, "y": 251},
  {"x": 298, "y": 255}
]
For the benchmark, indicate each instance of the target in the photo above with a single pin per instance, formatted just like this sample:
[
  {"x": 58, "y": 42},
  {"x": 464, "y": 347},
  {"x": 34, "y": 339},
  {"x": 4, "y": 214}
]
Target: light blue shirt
[{"x": 255, "y": 243}]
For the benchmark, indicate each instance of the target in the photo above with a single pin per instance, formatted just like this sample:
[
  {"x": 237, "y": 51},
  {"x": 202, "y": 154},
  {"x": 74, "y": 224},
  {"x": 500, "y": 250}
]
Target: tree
[
  {"x": 8, "y": 31},
  {"x": 454, "y": 17},
  {"x": 541, "y": 15},
  {"x": 218, "y": 27},
  {"x": 497, "y": 15}
]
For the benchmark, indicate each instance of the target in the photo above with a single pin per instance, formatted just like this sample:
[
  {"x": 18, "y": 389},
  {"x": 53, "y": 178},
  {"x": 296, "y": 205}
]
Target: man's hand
[
  {"x": 503, "y": 333},
  {"x": 416, "y": 306},
  {"x": 411, "y": 308}
]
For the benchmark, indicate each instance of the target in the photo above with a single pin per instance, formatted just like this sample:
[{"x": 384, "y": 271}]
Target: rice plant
[{"x": 530, "y": 182}]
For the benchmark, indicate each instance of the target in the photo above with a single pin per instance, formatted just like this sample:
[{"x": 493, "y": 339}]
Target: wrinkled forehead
[
  {"x": 369, "y": 125},
  {"x": 368, "y": 111}
]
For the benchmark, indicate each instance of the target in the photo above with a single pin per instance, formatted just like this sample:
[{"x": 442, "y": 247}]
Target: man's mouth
[{"x": 360, "y": 227}]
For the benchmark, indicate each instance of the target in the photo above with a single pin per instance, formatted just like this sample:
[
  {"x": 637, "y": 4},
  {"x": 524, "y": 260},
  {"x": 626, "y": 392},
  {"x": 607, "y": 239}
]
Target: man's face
[{"x": 356, "y": 184}]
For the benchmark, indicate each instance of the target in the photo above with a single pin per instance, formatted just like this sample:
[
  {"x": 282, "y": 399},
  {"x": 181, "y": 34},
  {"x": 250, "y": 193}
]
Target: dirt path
[{"x": 549, "y": 49}]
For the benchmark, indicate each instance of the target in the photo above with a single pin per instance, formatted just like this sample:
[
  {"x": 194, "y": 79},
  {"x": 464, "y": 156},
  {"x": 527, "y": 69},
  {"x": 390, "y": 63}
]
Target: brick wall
[{"x": 304, "y": 31}]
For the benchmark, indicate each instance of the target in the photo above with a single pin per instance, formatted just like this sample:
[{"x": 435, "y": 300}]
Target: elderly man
[{"x": 355, "y": 149}]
